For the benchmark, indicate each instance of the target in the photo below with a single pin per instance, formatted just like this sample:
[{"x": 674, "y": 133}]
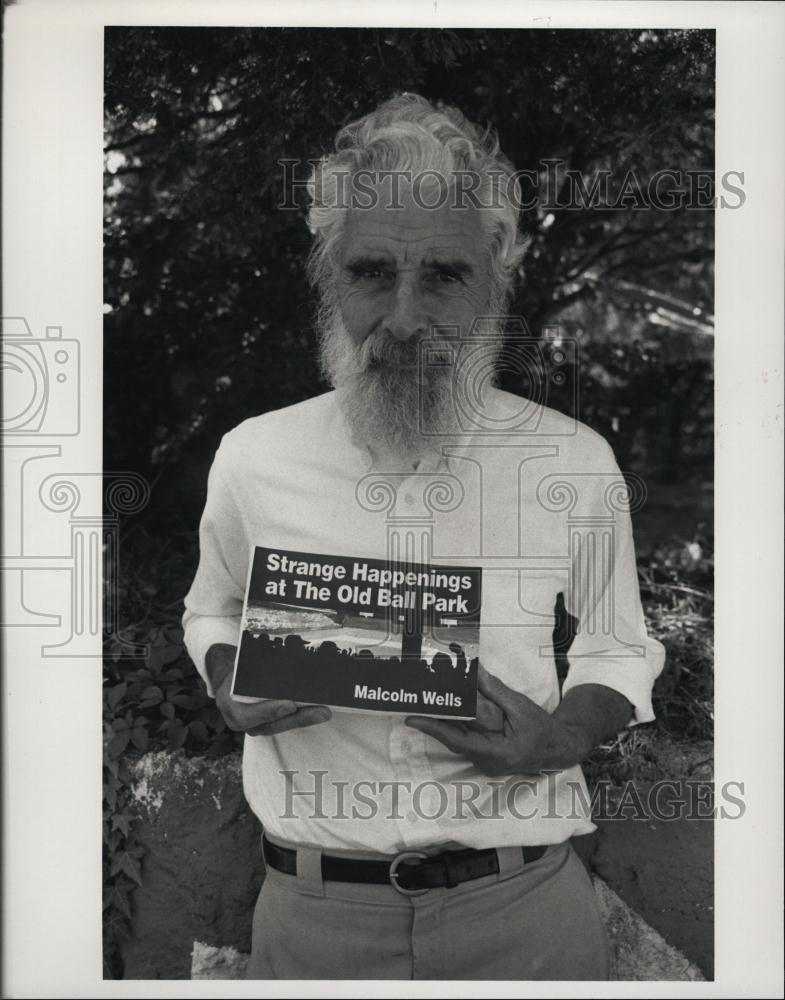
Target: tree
[{"x": 208, "y": 316}]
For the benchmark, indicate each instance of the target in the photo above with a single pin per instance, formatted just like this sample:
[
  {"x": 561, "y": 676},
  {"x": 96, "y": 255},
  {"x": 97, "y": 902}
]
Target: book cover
[{"x": 360, "y": 634}]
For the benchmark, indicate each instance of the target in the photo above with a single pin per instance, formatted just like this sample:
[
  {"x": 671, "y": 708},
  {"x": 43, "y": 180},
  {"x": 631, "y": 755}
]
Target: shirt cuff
[
  {"x": 632, "y": 679},
  {"x": 204, "y": 631}
]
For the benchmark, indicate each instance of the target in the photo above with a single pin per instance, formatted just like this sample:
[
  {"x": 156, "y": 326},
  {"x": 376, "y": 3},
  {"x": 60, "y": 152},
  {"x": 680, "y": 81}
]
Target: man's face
[
  {"x": 398, "y": 274},
  {"x": 402, "y": 272}
]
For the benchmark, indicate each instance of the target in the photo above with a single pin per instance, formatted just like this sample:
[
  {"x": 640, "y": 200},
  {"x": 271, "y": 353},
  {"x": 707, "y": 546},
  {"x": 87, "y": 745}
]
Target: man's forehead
[{"x": 413, "y": 231}]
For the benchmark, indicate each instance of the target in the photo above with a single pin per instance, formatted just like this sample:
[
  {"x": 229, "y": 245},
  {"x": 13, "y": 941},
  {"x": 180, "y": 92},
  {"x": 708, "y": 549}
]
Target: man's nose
[{"x": 405, "y": 316}]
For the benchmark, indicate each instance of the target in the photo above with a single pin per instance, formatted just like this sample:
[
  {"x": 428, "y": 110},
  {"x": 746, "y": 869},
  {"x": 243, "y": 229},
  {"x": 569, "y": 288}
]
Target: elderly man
[{"x": 408, "y": 847}]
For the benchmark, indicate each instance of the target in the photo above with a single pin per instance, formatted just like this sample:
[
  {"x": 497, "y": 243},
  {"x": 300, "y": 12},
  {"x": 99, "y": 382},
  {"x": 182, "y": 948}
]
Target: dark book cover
[{"x": 360, "y": 634}]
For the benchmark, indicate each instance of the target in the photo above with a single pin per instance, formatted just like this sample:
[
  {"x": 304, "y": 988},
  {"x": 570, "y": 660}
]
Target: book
[{"x": 360, "y": 634}]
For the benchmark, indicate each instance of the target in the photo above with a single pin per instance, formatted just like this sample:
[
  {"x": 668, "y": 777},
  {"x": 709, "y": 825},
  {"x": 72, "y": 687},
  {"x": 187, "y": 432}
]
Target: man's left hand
[{"x": 524, "y": 739}]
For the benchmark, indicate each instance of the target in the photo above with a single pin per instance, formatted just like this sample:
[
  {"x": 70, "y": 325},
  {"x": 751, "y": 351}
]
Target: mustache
[{"x": 380, "y": 350}]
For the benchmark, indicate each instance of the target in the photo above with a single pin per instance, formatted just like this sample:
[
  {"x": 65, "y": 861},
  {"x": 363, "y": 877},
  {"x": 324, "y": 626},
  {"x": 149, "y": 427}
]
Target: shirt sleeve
[
  {"x": 213, "y": 605},
  {"x": 611, "y": 646}
]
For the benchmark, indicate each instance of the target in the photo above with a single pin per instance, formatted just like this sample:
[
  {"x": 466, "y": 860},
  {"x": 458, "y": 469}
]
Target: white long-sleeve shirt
[{"x": 541, "y": 508}]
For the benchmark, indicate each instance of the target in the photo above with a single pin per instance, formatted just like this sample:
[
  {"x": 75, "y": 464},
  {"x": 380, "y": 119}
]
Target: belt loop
[
  {"x": 309, "y": 870},
  {"x": 510, "y": 862}
]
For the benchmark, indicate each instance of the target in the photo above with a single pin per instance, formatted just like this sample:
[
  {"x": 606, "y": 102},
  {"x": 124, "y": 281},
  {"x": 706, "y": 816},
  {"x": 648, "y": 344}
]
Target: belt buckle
[{"x": 394, "y": 873}]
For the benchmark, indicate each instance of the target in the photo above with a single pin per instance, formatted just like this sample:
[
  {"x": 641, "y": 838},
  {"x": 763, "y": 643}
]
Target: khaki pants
[{"x": 538, "y": 921}]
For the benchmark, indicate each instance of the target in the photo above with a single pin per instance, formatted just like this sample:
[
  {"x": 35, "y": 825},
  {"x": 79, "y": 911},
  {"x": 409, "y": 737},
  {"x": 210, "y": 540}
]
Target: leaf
[
  {"x": 118, "y": 743},
  {"x": 177, "y": 737},
  {"x": 199, "y": 731},
  {"x": 124, "y": 862},
  {"x": 167, "y": 709},
  {"x": 112, "y": 781},
  {"x": 221, "y": 745},
  {"x": 174, "y": 634},
  {"x": 140, "y": 738},
  {"x": 152, "y": 694},
  {"x": 116, "y": 925},
  {"x": 172, "y": 674},
  {"x": 118, "y": 900},
  {"x": 173, "y": 652},
  {"x": 115, "y": 695},
  {"x": 110, "y": 795},
  {"x": 121, "y": 822},
  {"x": 182, "y": 700}
]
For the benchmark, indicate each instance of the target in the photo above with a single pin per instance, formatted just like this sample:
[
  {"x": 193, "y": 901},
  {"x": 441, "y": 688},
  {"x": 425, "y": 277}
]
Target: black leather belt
[{"x": 411, "y": 872}]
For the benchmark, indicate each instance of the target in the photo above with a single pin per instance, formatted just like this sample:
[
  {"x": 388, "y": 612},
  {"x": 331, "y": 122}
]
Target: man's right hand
[{"x": 265, "y": 718}]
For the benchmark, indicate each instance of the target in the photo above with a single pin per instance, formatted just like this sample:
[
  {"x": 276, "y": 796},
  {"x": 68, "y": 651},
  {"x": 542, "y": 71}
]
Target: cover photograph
[{"x": 360, "y": 634}]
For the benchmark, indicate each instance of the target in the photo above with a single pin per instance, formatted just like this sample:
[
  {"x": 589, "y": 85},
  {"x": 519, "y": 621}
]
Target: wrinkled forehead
[{"x": 412, "y": 231}]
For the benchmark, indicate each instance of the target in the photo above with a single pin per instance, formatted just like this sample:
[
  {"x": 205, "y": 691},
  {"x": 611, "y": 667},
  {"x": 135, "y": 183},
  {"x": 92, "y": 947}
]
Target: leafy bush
[
  {"x": 160, "y": 703},
  {"x": 677, "y": 585}
]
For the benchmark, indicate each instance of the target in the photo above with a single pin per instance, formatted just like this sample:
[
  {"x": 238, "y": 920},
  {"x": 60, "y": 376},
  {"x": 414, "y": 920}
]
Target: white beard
[{"x": 393, "y": 403}]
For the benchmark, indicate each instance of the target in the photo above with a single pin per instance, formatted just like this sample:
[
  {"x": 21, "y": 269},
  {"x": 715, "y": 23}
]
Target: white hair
[{"x": 408, "y": 133}]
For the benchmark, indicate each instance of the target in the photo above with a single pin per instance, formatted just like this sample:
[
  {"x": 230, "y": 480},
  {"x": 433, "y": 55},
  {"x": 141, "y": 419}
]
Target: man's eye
[
  {"x": 444, "y": 277},
  {"x": 370, "y": 273}
]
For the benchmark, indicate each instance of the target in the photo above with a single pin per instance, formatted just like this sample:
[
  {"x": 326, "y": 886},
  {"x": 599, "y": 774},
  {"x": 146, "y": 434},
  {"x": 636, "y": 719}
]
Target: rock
[
  {"x": 664, "y": 870},
  {"x": 208, "y": 962},
  {"x": 638, "y": 952},
  {"x": 203, "y": 868}
]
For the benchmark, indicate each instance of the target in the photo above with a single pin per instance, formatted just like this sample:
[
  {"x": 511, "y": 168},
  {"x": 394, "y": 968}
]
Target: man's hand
[
  {"x": 263, "y": 719},
  {"x": 513, "y": 735}
]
